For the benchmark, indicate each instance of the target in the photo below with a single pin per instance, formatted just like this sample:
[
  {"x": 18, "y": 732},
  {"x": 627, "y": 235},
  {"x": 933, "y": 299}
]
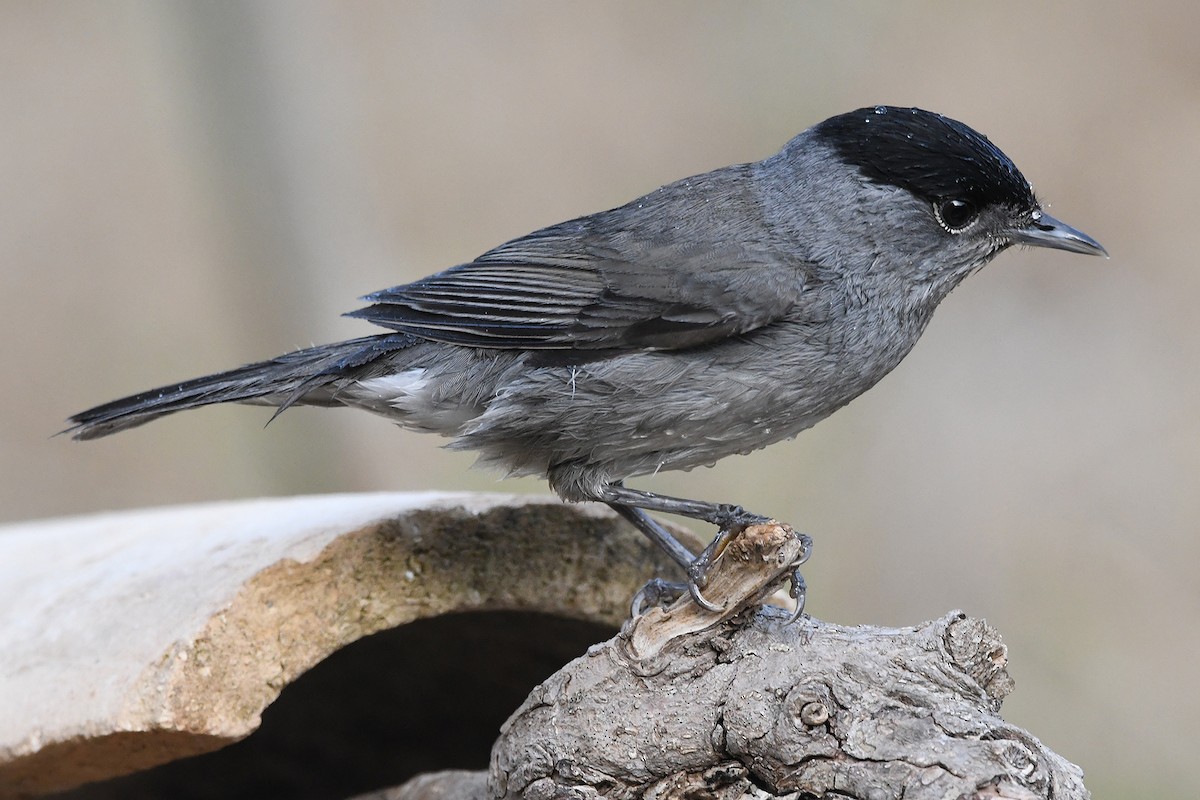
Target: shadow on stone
[{"x": 430, "y": 695}]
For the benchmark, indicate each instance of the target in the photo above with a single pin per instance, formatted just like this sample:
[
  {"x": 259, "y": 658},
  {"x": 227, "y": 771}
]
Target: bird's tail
[{"x": 304, "y": 377}]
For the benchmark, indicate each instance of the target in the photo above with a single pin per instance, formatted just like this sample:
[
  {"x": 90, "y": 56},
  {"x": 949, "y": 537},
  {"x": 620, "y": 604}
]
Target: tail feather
[{"x": 297, "y": 377}]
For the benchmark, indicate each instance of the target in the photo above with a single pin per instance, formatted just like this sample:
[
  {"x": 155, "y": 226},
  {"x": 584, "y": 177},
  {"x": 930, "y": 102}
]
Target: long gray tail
[{"x": 303, "y": 376}]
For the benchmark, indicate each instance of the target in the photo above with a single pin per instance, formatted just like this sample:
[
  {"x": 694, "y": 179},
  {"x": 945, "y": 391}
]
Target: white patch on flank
[
  {"x": 408, "y": 398},
  {"x": 402, "y": 390}
]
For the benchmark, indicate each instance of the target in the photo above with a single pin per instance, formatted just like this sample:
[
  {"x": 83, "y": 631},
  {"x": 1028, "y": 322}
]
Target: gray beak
[{"x": 1045, "y": 231}]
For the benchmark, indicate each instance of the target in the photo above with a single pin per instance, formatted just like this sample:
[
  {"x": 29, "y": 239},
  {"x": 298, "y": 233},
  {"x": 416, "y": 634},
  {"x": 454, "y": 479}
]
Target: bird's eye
[{"x": 955, "y": 215}]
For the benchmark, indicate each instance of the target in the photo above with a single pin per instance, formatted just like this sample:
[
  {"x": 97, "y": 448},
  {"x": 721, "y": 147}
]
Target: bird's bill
[{"x": 1045, "y": 231}]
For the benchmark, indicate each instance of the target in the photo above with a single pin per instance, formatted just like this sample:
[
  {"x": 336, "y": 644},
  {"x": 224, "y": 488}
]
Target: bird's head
[{"x": 935, "y": 196}]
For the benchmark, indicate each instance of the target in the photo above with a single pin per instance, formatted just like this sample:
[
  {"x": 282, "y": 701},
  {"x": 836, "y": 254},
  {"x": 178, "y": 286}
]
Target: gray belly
[{"x": 637, "y": 414}]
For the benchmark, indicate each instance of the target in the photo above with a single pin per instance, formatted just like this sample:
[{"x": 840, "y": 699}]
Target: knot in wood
[{"x": 814, "y": 714}]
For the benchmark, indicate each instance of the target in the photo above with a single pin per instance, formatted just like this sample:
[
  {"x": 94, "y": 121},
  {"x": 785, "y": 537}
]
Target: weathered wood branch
[
  {"x": 757, "y": 708},
  {"x": 752, "y": 707}
]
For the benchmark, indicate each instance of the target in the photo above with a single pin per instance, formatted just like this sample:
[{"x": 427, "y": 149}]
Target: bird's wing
[{"x": 565, "y": 288}]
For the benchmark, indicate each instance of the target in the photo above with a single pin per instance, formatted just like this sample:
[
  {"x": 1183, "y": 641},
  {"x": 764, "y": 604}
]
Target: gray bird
[{"x": 716, "y": 315}]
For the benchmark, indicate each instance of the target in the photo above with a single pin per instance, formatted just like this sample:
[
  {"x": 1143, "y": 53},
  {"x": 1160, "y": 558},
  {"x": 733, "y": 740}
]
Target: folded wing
[{"x": 570, "y": 288}]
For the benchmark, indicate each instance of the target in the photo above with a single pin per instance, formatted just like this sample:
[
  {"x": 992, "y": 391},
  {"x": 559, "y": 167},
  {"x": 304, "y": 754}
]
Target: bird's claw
[
  {"x": 699, "y": 599},
  {"x": 798, "y": 590},
  {"x": 661, "y": 593},
  {"x": 698, "y": 572},
  {"x": 655, "y": 592}
]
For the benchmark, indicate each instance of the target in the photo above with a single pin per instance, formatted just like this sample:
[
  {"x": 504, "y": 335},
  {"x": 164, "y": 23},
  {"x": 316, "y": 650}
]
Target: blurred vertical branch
[{"x": 267, "y": 119}]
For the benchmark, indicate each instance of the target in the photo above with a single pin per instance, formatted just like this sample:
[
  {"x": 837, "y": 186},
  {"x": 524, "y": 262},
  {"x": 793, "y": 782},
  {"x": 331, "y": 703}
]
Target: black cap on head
[{"x": 934, "y": 157}]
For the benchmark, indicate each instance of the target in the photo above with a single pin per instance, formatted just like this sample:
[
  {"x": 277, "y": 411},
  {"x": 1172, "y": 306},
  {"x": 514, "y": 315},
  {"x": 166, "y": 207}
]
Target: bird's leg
[
  {"x": 723, "y": 515},
  {"x": 656, "y": 533},
  {"x": 729, "y": 519}
]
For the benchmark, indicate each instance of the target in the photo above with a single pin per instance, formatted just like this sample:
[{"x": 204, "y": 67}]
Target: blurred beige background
[{"x": 188, "y": 186}]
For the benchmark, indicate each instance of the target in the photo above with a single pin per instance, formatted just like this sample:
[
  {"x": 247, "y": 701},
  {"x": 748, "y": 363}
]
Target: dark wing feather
[{"x": 621, "y": 280}]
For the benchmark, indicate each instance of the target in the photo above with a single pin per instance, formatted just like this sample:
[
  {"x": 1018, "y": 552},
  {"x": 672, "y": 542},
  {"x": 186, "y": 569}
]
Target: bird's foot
[
  {"x": 742, "y": 581},
  {"x": 656, "y": 592},
  {"x": 731, "y": 520},
  {"x": 702, "y": 567}
]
